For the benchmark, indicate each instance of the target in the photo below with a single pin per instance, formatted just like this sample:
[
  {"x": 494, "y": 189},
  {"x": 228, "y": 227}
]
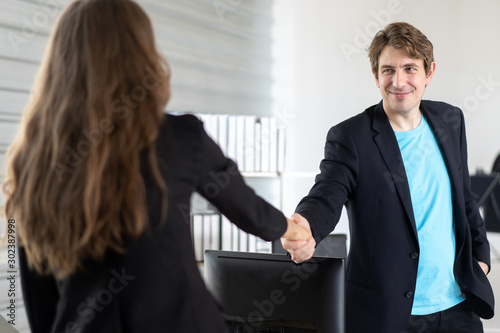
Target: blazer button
[
  {"x": 409, "y": 294},
  {"x": 414, "y": 255}
]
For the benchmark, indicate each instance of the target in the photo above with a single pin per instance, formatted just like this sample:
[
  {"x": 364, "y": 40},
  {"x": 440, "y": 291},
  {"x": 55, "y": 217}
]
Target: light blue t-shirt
[{"x": 431, "y": 198}]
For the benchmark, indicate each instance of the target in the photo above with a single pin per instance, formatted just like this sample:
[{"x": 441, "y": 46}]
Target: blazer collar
[
  {"x": 443, "y": 122},
  {"x": 385, "y": 139}
]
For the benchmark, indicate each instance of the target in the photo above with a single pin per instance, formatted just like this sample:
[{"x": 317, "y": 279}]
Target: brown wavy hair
[
  {"x": 401, "y": 35},
  {"x": 73, "y": 182}
]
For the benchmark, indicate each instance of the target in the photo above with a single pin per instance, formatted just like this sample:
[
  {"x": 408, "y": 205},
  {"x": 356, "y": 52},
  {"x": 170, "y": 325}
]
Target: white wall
[{"x": 332, "y": 78}]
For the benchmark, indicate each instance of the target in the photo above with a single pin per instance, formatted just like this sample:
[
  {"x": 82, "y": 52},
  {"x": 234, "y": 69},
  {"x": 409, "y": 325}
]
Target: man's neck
[{"x": 404, "y": 121}]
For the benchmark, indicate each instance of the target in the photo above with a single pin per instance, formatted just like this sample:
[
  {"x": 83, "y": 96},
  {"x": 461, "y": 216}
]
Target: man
[{"x": 418, "y": 250}]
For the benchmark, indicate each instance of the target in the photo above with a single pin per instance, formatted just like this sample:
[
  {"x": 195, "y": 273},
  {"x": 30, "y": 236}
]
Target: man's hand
[
  {"x": 296, "y": 233},
  {"x": 484, "y": 267},
  {"x": 300, "y": 250}
]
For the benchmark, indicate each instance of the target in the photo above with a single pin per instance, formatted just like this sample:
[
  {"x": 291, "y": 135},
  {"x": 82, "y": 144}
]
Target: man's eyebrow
[{"x": 410, "y": 64}]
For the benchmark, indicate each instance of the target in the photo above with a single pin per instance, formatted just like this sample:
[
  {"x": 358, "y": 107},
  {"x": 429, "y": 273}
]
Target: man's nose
[{"x": 399, "y": 80}]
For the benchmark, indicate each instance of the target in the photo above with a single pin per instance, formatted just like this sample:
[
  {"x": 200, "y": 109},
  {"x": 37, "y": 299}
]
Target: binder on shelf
[
  {"x": 265, "y": 144},
  {"x": 207, "y": 233},
  {"x": 214, "y": 128},
  {"x": 226, "y": 227},
  {"x": 211, "y": 125},
  {"x": 252, "y": 243},
  {"x": 273, "y": 145},
  {"x": 215, "y": 229},
  {"x": 222, "y": 132},
  {"x": 258, "y": 146},
  {"x": 243, "y": 241},
  {"x": 249, "y": 144},
  {"x": 240, "y": 142},
  {"x": 231, "y": 137},
  {"x": 207, "y": 124},
  {"x": 235, "y": 238},
  {"x": 281, "y": 154},
  {"x": 197, "y": 232}
]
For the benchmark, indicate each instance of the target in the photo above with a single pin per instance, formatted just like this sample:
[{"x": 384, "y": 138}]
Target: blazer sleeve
[
  {"x": 322, "y": 207},
  {"x": 222, "y": 185},
  {"x": 40, "y": 296},
  {"x": 480, "y": 244}
]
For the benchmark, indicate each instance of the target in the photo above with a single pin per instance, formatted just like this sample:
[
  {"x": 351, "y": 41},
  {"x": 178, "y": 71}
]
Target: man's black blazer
[
  {"x": 155, "y": 286},
  {"x": 364, "y": 170}
]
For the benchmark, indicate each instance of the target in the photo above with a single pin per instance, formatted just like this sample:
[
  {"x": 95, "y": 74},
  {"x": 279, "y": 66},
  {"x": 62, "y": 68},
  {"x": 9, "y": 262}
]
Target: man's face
[{"x": 401, "y": 80}]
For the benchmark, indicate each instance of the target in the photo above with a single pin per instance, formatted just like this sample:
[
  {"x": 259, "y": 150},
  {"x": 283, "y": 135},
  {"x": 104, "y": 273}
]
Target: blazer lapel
[
  {"x": 443, "y": 122},
  {"x": 441, "y": 127},
  {"x": 389, "y": 149}
]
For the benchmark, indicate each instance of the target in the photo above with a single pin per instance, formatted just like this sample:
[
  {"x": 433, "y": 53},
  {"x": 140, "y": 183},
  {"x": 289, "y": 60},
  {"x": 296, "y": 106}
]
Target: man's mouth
[{"x": 400, "y": 94}]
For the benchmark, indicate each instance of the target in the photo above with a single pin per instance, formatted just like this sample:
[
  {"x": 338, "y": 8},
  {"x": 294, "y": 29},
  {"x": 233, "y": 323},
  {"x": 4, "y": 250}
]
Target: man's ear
[{"x": 430, "y": 74}]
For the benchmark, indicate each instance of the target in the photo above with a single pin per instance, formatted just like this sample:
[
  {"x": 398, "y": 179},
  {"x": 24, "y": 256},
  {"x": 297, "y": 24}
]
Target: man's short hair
[{"x": 401, "y": 35}]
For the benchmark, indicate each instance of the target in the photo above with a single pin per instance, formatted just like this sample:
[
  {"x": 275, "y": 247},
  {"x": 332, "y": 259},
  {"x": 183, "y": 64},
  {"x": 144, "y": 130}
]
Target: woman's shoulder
[
  {"x": 180, "y": 133},
  {"x": 181, "y": 121},
  {"x": 180, "y": 126}
]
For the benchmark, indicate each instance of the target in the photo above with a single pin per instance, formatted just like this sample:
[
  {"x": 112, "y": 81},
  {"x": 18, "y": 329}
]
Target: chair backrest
[
  {"x": 261, "y": 290},
  {"x": 487, "y": 188}
]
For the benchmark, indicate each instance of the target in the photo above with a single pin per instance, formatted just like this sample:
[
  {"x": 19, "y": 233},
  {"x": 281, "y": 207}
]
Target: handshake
[{"x": 297, "y": 239}]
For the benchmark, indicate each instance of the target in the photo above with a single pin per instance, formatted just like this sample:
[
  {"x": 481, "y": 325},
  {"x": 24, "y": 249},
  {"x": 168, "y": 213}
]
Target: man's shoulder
[
  {"x": 444, "y": 111},
  {"x": 441, "y": 115},
  {"x": 438, "y": 106},
  {"x": 361, "y": 119},
  {"x": 356, "y": 126}
]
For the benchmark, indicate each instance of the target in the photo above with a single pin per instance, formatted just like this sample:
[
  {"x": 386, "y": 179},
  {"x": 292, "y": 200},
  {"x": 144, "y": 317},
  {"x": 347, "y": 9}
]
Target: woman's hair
[
  {"x": 73, "y": 181},
  {"x": 401, "y": 35}
]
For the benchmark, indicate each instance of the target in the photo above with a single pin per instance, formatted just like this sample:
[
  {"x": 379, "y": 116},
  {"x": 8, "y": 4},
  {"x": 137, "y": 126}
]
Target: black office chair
[
  {"x": 487, "y": 188},
  {"x": 492, "y": 204},
  {"x": 263, "y": 292}
]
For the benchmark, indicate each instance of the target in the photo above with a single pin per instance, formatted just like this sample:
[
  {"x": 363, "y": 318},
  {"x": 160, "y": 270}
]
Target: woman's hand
[
  {"x": 296, "y": 232},
  {"x": 300, "y": 249}
]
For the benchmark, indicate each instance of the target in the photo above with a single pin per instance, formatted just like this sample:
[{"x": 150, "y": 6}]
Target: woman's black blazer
[{"x": 155, "y": 286}]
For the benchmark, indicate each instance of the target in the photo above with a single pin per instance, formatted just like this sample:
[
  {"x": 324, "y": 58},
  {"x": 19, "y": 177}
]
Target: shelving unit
[{"x": 257, "y": 145}]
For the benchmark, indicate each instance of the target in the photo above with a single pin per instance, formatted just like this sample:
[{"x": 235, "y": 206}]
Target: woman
[{"x": 99, "y": 182}]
